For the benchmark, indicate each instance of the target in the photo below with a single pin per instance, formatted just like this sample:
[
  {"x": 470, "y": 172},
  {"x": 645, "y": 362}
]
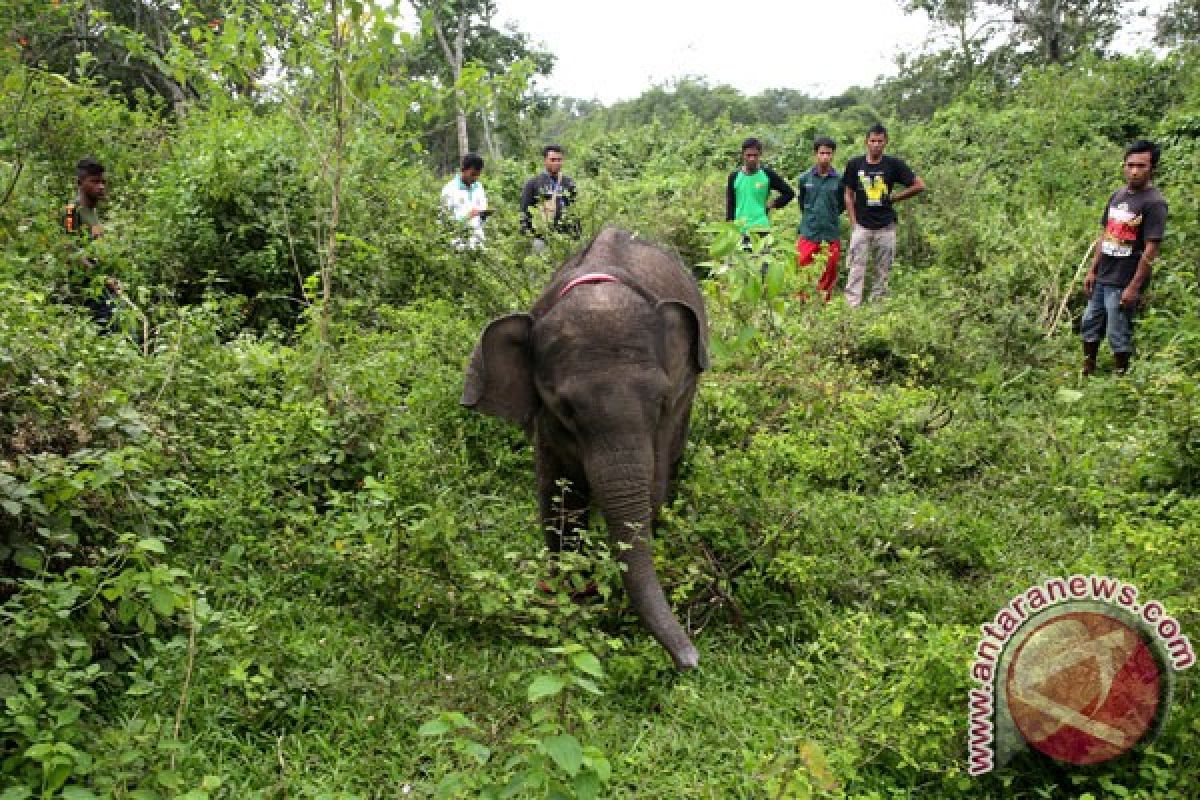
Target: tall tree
[
  {"x": 485, "y": 68},
  {"x": 1058, "y": 30},
  {"x": 1048, "y": 31},
  {"x": 116, "y": 41},
  {"x": 1179, "y": 24},
  {"x": 992, "y": 40},
  {"x": 440, "y": 17},
  {"x": 969, "y": 25},
  {"x": 166, "y": 48}
]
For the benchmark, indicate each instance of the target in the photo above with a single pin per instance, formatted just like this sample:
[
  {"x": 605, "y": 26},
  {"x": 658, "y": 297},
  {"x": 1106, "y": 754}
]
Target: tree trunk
[
  {"x": 454, "y": 59},
  {"x": 488, "y": 141},
  {"x": 339, "y": 145}
]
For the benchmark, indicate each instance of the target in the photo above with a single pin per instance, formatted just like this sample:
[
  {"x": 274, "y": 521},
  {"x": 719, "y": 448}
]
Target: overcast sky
[{"x": 616, "y": 49}]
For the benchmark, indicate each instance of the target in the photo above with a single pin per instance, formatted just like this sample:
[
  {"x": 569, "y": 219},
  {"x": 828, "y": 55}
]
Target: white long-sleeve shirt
[{"x": 460, "y": 199}]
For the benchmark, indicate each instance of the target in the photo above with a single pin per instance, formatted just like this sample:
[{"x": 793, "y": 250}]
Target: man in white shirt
[{"x": 466, "y": 200}]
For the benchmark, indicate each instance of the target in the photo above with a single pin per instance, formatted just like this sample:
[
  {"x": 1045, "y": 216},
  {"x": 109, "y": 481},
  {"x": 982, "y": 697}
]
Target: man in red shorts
[{"x": 822, "y": 202}]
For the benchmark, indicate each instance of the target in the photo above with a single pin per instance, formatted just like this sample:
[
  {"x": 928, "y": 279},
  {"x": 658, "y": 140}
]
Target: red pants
[{"x": 806, "y": 249}]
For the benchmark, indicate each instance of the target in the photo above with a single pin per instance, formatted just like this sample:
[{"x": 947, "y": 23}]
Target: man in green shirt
[
  {"x": 81, "y": 219},
  {"x": 822, "y": 201},
  {"x": 748, "y": 190}
]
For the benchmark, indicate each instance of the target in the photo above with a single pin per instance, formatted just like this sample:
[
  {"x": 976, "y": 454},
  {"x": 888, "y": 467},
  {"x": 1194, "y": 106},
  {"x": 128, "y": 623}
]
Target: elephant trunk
[{"x": 622, "y": 490}]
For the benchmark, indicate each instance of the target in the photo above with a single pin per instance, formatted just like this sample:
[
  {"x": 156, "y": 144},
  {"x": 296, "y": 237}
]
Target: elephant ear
[
  {"x": 499, "y": 379},
  {"x": 683, "y": 340}
]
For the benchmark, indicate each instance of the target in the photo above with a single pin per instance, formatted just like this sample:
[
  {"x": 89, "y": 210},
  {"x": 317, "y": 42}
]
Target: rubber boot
[
  {"x": 1090, "y": 351},
  {"x": 1121, "y": 363}
]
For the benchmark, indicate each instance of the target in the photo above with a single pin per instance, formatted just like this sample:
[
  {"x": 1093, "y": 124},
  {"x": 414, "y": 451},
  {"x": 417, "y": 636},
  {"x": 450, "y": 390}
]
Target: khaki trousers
[{"x": 878, "y": 246}]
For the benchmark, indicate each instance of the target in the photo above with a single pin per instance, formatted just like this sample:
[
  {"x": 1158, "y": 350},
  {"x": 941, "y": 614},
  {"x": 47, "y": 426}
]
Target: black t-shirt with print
[
  {"x": 872, "y": 185},
  {"x": 1131, "y": 218}
]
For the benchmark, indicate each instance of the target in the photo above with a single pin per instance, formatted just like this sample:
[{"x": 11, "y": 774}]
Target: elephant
[{"x": 601, "y": 374}]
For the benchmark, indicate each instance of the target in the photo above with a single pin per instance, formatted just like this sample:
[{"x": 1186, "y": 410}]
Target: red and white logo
[
  {"x": 1077, "y": 668},
  {"x": 1083, "y": 688}
]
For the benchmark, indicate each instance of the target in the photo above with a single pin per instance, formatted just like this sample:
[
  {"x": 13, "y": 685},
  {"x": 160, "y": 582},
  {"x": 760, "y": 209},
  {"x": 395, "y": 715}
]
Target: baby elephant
[{"x": 602, "y": 374}]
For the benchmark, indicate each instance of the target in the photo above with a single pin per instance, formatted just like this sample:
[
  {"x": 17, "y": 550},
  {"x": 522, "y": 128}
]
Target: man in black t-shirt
[
  {"x": 868, "y": 182},
  {"x": 1133, "y": 224}
]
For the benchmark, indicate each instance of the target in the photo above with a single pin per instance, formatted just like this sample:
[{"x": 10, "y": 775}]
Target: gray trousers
[{"x": 864, "y": 242}]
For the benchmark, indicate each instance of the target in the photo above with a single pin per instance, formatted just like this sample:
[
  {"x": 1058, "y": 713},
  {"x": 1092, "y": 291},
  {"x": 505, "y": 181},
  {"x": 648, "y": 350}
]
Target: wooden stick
[{"x": 1067, "y": 294}]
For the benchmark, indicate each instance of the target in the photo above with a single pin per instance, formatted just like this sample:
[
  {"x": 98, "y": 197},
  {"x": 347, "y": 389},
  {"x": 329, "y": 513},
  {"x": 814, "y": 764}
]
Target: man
[
  {"x": 821, "y": 201},
  {"x": 748, "y": 190},
  {"x": 1133, "y": 225},
  {"x": 870, "y": 201},
  {"x": 545, "y": 199},
  {"x": 466, "y": 200},
  {"x": 81, "y": 218}
]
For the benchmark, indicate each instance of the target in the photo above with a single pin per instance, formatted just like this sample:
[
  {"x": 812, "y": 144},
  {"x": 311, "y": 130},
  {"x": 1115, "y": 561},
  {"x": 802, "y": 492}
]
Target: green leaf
[
  {"x": 753, "y": 290},
  {"x": 478, "y": 752},
  {"x": 38, "y": 752},
  {"x": 587, "y": 785},
  {"x": 77, "y": 793},
  {"x": 565, "y": 752},
  {"x": 28, "y": 558},
  {"x": 1068, "y": 395},
  {"x": 126, "y": 610},
  {"x": 56, "y": 776},
  {"x": 152, "y": 544},
  {"x": 16, "y": 793},
  {"x": 545, "y": 686},
  {"x": 719, "y": 348},
  {"x": 598, "y": 764},
  {"x": 514, "y": 786},
  {"x": 163, "y": 601},
  {"x": 774, "y": 279},
  {"x": 435, "y": 727},
  {"x": 588, "y": 685},
  {"x": 586, "y": 662}
]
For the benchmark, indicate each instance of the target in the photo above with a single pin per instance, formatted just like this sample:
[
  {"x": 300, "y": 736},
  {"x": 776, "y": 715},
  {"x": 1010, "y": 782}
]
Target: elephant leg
[{"x": 563, "y": 498}]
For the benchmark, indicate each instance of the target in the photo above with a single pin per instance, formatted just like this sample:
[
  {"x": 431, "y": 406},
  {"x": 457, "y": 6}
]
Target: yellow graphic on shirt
[{"x": 875, "y": 188}]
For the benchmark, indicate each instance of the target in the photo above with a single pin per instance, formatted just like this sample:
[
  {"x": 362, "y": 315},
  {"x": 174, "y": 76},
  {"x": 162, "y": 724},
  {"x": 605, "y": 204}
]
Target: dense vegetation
[{"x": 252, "y": 547}]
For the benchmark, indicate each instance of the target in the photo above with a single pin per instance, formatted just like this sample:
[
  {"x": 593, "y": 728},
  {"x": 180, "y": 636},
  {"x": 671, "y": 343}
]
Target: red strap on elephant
[{"x": 590, "y": 277}]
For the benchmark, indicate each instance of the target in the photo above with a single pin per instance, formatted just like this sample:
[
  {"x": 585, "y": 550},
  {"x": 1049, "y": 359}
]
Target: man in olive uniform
[
  {"x": 81, "y": 218},
  {"x": 822, "y": 201}
]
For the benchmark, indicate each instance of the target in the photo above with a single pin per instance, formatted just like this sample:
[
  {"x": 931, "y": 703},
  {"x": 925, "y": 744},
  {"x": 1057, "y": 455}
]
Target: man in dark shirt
[
  {"x": 545, "y": 199},
  {"x": 81, "y": 219},
  {"x": 822, "y": 201},
  {"x": 1133, "y": 224},
  {"x": 868, "y": 182},
  {"x": 748, "y": 190}
]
